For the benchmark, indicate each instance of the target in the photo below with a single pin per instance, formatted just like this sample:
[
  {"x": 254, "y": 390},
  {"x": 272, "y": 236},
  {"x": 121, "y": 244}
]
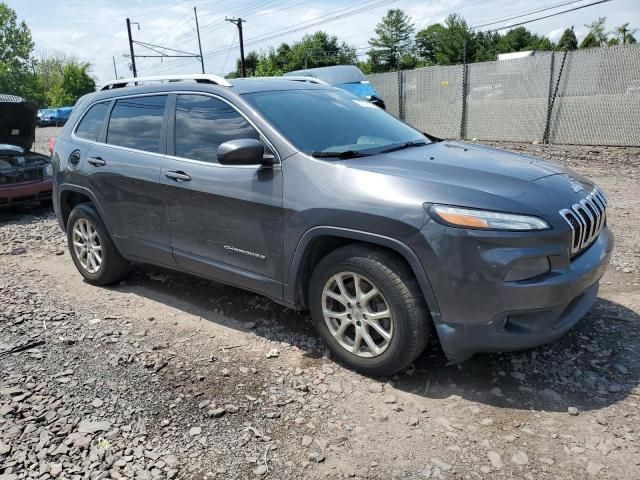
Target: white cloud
[{"x": 554, "y": 35}]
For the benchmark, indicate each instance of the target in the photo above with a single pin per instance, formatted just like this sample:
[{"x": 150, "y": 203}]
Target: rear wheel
[
  {"x": 92, "y": 250},
  {"x": 367, "y": 306}
]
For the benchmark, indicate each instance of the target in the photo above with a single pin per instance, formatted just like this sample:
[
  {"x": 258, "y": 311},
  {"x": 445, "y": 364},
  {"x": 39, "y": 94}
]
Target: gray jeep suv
[{"x": 322, "y": 201}]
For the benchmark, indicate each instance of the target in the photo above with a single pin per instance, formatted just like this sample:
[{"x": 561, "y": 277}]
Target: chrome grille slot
[{"x": 586, "y": 219}]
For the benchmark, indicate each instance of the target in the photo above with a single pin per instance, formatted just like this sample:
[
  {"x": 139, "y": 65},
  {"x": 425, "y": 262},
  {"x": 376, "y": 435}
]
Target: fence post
[
  {"x": 400, "y": 95},
  {"x": 552, "y": 100},
  {"x": 463, "y": 116},
  {"x": 549, "y": 96}
]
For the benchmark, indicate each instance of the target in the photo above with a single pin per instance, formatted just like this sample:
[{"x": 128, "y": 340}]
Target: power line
[
  {"x": 551, "y": 15},
  {"x": 150, "y": 45},
  {"x": 162, "y": 9},
  {"x": 361, "y": 7},
  {"x": 170, "y": 29},
  {"x": 314, "y": 22},
  {"x": 252, "y": 7},
  {"x": 320, "y": 20},
  {"x": 230, "y": 47},
  {"x": 361, "y": 4},
  {"x": 161, "y": 52},
  {"x": 242, "y": 12},
  {"x": 550, "y": 7},
  {"x": 245, "y": 10}
]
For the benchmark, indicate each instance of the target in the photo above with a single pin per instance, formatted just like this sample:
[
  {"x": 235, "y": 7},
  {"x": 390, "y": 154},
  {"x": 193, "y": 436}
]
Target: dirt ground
[{"x": 169, "y": 376}]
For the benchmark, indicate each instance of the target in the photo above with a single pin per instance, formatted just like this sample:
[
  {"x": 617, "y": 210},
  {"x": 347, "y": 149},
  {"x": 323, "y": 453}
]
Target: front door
[{"x": 226, "y": 222}]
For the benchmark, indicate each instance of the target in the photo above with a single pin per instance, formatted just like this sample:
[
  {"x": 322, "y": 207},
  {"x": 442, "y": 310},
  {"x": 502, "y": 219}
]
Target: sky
[{"x": 95, "y": 30}]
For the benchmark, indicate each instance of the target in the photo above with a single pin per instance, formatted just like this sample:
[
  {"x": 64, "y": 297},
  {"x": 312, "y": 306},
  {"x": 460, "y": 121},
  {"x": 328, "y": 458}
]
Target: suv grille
[{"x": 586, "y": 219}]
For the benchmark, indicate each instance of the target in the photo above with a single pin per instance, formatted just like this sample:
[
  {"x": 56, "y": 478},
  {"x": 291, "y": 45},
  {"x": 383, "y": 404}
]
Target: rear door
[
  {"x": 123, "y": 169},
  {"x": 226, "y": 221}
]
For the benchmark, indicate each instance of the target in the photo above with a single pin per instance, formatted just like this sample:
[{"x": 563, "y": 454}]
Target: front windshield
[{"x": 332, "y": 120}]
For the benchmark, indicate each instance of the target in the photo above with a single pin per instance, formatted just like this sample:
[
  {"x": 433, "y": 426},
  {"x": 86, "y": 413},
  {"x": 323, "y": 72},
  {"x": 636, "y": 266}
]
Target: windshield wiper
[
  {"x": 344, "y": 154},
  {"x": 402, "y": 146}
]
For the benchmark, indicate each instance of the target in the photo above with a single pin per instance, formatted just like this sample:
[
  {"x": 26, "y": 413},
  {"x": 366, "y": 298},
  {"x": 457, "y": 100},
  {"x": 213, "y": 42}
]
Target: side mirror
[{"x": 244, "y": 151}]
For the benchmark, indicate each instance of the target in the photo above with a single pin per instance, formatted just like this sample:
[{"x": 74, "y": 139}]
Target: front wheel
[
  {"x": 367, "y": 306},
  {"x": 92, "y": 250}
]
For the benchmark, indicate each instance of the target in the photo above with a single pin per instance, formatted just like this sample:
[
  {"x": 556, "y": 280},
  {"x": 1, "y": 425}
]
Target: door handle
[
  {"x": 177, "y": 176},
  {"x": 96, "y": 161}
]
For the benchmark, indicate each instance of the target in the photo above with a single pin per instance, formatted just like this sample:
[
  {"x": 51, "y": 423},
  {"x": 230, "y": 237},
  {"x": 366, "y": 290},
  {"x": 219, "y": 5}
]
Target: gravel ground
[{"x": 169, "y": 376}]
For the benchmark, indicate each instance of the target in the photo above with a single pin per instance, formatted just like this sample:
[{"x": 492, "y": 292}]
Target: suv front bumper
[{"x": 481, "y": 312}]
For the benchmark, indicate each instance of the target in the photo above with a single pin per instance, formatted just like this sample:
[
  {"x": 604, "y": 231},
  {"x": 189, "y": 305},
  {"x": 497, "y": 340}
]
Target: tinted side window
[
  {"x": 203, "y": 123},
  {"x": 91, "y": 123},
  {"x": 137, "y": 123}
]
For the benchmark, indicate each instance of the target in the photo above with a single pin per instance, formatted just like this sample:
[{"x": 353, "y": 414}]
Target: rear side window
[
  {"x": 137, "y": 123},
  {"x": 203, "y": 123},
  {"x": 91, "y": 124}
]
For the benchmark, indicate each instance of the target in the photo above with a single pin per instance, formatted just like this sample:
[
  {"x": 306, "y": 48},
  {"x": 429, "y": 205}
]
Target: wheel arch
[
  {"x": 319, "y": 241},
  {"x": 72, "y": 195}
]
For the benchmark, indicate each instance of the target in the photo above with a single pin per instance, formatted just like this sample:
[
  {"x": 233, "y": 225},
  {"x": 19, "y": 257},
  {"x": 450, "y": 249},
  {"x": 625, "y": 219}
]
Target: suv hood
[
  {"x": 17, "y": 121},
  {"x": 465, "y": 165}
]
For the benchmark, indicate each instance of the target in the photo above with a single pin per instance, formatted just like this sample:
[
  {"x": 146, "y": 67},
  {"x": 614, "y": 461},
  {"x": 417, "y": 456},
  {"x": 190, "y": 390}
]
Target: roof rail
[
  {"x": 198, "y": 77},
  {"x": 297, "y": 78}
]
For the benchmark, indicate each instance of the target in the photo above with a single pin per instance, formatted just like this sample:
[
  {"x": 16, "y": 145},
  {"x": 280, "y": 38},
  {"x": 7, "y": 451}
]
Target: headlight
[
  {"x": 487, "y": 220},
  {"x": 47, "y": 171}
]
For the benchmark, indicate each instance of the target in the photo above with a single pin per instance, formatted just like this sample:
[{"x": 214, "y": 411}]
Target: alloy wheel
[
  {"x": 87, "y": 246},
  {"x": 357, "y": 314}
]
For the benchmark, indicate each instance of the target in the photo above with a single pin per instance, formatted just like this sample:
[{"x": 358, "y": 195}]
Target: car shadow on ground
[
  {"x": 594, "y": 365},
  {"x": 27, "y": 213}
]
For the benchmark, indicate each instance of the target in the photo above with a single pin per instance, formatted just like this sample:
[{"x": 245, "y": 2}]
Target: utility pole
[
  {"x": 133, "y": 57},
  {"x": 115, "y": 71},
  {"x": 195, "y": 12},
  {"x": 238, "y": 22}
]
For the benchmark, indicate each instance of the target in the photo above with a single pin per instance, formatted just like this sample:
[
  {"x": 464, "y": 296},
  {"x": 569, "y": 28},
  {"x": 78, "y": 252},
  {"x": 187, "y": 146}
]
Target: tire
[
  {"x": 113, "y": 266},
  {"x": 408, "y": 325}
]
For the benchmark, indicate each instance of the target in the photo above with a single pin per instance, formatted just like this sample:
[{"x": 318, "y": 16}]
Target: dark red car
[{"x": 25, "y": 176}]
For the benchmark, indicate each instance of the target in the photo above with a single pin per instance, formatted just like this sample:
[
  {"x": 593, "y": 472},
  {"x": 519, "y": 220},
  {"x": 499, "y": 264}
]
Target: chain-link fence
[
  {"x": 587, "y": 97},
  {"x": 432, "y": 99},
  {"x": 388, "y": 85}
]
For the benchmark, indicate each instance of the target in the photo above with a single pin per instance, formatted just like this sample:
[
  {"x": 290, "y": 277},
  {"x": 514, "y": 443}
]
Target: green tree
[
  {"x": 317, "y": 50},
  {"x": 446, "y": 44},
  {"x": 268, "y": 65},
  {"x": 393, "y": 41},
  {"x": 77, "y": 81},
  {"x": 486, "y": 46},
  {"x": 16, "y": 67},
  {"x": 64, "y": 81},
  {"x": 568, "y": 40},
  {"x": 429, "y": 42},
  {"x": 16, "y": 44},
  {"x": 623, "y": 36},
  {"x": 520, "y": 39},
  {"x": 597, "y": 35},
  {"x": 250, "y": 63}
]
